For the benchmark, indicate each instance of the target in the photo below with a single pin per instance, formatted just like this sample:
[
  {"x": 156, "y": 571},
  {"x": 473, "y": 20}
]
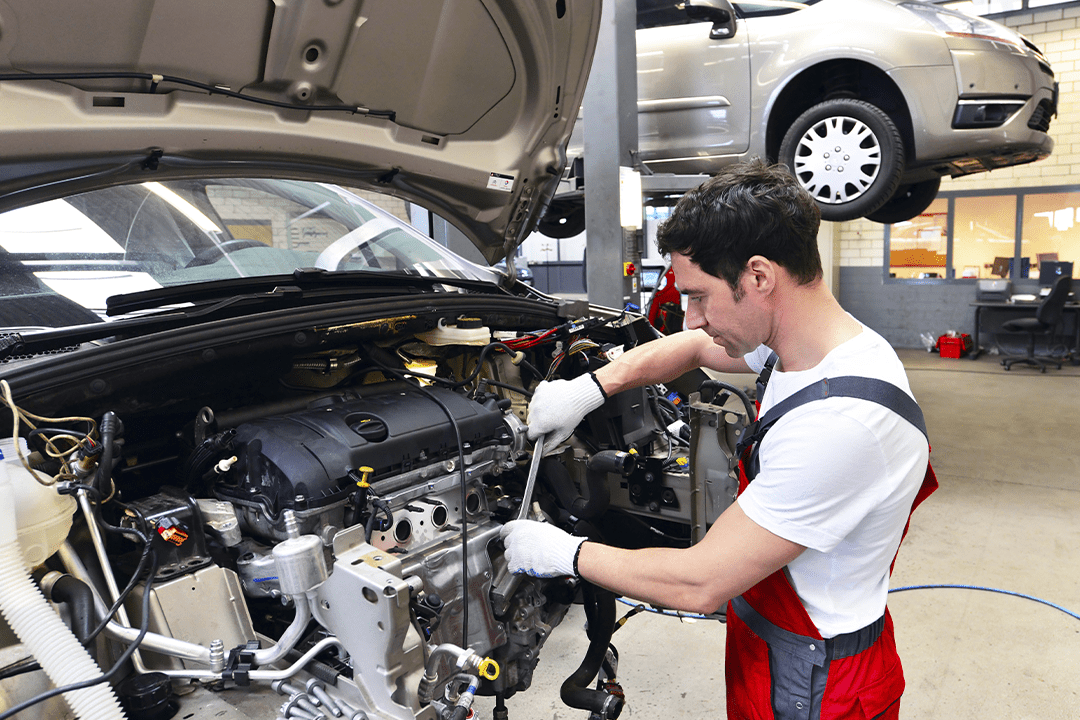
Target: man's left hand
[{"x": 539, "y": 549}]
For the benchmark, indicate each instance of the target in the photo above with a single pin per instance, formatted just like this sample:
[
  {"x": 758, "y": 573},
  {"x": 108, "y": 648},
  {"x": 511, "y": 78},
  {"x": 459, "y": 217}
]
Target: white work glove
[
  {"x": 540, "y": 549},
  {"x": 557, "y": 406}
]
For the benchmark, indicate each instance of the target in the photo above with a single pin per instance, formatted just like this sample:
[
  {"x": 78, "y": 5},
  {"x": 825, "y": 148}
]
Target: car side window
[
  {"x": 661, "y": 13},
  {"x": 771, "y": 7}
]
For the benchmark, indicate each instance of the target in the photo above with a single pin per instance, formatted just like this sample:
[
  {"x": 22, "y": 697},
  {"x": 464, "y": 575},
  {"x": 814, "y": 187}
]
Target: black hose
[
  {"x": 715, "y": 385},
  {"x": 80, "y": 600},
  {"x": 19, "y": 667},
  {"x": 377, "y": 506},
  {"x": 111, "y": 428},
  {"x": 558, "y": 479},
  {"x": 575, "y": 691}
]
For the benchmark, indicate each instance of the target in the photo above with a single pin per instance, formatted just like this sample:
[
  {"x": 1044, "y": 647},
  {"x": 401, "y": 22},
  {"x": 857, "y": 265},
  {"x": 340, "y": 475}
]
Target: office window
[
  {"x": 984, "y": 236},
  {"x": 971, "y": 234},
  {"x": 918, "y": 247},
  {"x": 1051, "y": 232}
]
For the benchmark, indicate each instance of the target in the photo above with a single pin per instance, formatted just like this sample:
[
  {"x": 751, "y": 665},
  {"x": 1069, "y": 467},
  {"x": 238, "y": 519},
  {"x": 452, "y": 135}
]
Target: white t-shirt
[{"x": 838, "y": 475}]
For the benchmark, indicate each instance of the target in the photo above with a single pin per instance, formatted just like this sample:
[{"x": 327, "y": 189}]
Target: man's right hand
[{"x": 557, "y": 406}]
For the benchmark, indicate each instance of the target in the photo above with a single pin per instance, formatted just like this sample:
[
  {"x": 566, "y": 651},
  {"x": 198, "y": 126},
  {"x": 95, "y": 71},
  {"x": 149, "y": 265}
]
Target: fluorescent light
[
  {"x": 189, "y": 211},
  {"x": 630, "y": 210}
]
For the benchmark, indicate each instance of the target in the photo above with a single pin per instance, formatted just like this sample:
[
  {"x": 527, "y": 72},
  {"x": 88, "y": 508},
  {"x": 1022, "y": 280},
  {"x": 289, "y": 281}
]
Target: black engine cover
[{"x": 302, "y": 460}]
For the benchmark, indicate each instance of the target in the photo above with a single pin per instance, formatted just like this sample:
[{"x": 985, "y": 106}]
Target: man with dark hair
[{"x": 838, "y": 459}]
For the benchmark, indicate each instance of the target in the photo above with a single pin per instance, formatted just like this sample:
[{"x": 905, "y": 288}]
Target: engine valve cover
[{"x": 301, "y": 461}]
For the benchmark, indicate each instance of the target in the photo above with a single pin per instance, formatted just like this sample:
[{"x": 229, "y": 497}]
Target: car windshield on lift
[{"x": 64, "y": 258}]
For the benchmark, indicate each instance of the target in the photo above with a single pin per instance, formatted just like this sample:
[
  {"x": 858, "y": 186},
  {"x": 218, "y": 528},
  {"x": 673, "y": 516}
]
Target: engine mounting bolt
[
  {"x": 291, "y": 710},
  {"x": 297, "y": 697},
  {"x": 317, "y": 689}
]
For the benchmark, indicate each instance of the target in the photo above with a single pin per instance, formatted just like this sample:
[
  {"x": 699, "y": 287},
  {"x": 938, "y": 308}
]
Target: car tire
[
  {"x": 907, "y": 202},
  {"x": 563, "y": 219},
  {"x": 863, "y": 134}
]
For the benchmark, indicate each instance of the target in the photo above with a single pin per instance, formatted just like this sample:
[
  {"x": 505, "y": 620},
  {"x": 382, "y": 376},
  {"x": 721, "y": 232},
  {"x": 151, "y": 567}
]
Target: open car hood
[{"x": 461, "y": 106}]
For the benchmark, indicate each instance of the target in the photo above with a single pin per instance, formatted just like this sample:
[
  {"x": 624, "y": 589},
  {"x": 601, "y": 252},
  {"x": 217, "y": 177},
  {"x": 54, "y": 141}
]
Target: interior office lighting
[
  {"x": 188, "y": 210},
  {"x": 630, "y": 210},
  {"x": 1061, "y": 220}
]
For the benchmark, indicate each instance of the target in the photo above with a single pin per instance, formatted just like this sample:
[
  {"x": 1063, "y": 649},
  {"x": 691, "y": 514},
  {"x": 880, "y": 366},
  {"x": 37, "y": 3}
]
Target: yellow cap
[{"x": 489, "y": 669}]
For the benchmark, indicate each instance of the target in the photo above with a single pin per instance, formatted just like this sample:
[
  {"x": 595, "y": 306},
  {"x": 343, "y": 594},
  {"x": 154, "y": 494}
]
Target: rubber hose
[
  {"x": 110, "y": 426},
  {"x": 559, "y": 480},
  {"x": 45, "y": 635},
  {"x": 717, "y": 385},
  {"x": 575, "y": 690},
  {"x": 80, "y": 600}
]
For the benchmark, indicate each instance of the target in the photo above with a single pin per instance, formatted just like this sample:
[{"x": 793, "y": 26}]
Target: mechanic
[{"x": 803, "y": 557}]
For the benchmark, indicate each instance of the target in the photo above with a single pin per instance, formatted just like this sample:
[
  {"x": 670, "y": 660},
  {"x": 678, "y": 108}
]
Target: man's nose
[{"x": 694, "y": 317}]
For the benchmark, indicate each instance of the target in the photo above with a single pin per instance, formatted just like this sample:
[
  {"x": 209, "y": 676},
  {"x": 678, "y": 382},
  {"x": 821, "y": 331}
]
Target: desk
[{"x": 1025, "y": 308}]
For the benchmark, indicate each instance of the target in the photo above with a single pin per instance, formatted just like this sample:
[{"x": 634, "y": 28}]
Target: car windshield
[{"x": 63, "y": 258}]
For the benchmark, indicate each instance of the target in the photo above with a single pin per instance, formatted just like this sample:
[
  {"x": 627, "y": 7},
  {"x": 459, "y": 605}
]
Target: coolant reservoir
[
  {"x": 42, "y": 515},
  {"x": 466, "y": 331}
]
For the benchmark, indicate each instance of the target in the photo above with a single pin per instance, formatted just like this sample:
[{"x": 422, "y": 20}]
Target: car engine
[{"x": 331, "y": 548}]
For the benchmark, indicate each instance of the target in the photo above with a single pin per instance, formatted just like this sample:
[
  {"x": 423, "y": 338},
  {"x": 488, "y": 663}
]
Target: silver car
[{"x": 870, "y": 102}]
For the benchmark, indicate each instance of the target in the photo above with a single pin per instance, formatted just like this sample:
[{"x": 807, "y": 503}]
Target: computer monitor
[
  {"x": 1049, "y": 272},
  {"x": 1003, "y": 267},
  {"x": 650, "y": 278}
]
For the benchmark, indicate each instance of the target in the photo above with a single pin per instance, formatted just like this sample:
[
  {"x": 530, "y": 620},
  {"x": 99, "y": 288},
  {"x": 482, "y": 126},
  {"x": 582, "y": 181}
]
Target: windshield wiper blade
[{"x": 276, "y": 287}]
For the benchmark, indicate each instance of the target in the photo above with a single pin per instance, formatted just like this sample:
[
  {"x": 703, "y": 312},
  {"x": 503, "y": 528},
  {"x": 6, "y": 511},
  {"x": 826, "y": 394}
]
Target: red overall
[{"x": 797, "y": 674}]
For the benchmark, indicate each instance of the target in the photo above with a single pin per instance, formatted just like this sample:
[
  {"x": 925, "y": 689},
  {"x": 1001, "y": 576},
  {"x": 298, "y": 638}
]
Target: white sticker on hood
[{"x": 501, "y": 182}]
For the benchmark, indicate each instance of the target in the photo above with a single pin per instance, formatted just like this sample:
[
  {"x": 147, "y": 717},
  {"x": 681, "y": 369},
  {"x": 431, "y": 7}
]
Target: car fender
[{"x": 777, "y": 62}]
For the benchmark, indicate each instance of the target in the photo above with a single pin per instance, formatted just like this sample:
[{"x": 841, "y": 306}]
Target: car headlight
[{"x": 957, "y": 24}]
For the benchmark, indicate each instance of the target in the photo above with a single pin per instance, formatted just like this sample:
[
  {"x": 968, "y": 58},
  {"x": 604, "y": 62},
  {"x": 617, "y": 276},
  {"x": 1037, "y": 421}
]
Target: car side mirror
[{"x": 719, "y": 12}]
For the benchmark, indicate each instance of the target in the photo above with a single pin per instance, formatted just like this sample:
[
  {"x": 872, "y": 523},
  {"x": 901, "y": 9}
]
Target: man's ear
[{"x": 761, "y": 274}]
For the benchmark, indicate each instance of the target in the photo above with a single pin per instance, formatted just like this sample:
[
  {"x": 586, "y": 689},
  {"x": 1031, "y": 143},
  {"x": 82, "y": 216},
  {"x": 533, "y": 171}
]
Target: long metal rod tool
[{"x": 530, "y": 484}]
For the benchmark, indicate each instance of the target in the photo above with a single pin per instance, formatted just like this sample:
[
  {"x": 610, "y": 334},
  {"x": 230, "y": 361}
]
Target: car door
[{"x": 693, "y": 91}]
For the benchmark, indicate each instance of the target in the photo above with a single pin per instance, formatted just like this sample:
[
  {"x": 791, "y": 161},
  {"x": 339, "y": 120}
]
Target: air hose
[
  {"x": 1070, "y": 613},
  {"x": 61, "y": 655},
  {"x": 638, "y": 607}
]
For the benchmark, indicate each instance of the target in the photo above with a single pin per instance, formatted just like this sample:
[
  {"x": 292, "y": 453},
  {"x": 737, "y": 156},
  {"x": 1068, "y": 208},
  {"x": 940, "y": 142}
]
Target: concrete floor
[{"x": 1007, "y": 516}]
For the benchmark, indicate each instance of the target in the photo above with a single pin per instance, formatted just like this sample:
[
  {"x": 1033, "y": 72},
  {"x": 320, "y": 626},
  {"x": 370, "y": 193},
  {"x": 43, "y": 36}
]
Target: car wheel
[
  {"x": 907, "y": 202},
  {"x": 848, "y": 154},
  {"x": 563, "y": 219}
]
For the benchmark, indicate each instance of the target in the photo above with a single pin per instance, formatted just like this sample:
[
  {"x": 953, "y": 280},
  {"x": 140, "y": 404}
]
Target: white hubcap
[{"x": 837, "y": 159}]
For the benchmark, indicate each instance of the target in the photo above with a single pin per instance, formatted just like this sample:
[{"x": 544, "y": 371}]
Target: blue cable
[
  {"x": 669, "y": 613},
  {"x": 693, "y": 616},
  {"x": 1070, "y": 613}
]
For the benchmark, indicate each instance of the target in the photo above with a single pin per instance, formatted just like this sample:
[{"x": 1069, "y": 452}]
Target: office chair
[{"x": 1045, "y": 322}]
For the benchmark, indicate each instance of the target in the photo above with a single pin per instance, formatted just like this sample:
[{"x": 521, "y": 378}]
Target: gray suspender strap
[
  {"x": 766, "y": 373},
  {"x": 853, "y": 386}
]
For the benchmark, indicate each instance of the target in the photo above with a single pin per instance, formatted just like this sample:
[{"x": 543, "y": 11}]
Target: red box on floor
[{"x": 954, "y": 347}]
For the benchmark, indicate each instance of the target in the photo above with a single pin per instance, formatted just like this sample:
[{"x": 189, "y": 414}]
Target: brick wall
[{"x": 900, "y": 311}]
